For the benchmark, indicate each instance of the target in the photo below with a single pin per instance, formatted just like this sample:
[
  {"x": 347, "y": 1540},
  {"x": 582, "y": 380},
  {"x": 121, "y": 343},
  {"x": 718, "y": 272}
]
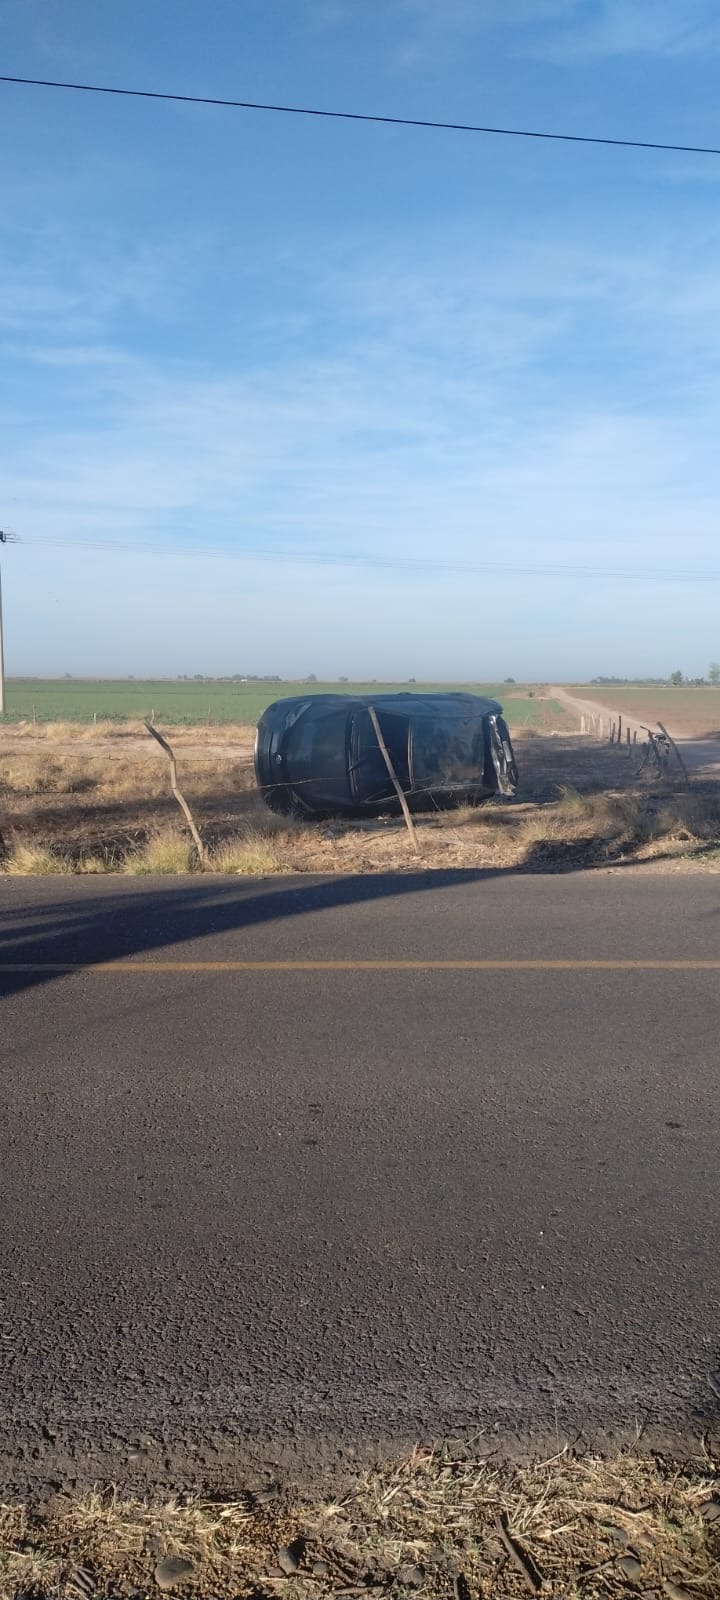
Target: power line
[
  {"x": 353, "y": 559},
  {"x": 363, "y": 116}
]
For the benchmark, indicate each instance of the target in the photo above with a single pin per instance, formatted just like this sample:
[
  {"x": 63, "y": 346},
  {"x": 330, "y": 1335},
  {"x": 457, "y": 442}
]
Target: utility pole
[
  {"x": 2, "y": 653},
  {"x": 5, "y": 538}
]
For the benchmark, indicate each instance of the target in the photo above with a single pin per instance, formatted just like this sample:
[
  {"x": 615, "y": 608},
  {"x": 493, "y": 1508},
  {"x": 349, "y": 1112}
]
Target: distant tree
[
  {"x": 714, "y": 672},
  {"x": 312, "y": 677},
  {"x": 676, "y": 678},
  {"x": 412, "y": 680},
  {"x": 68, "y": 674},
  {"x": 509, "y": 680},
  {"x": 343, "y": 680}
]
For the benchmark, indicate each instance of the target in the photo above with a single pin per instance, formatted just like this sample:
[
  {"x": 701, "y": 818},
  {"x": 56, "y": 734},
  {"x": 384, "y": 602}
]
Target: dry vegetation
[
  {"x": 443, "y": 1522},
  {"x": 93, "y": 800}
]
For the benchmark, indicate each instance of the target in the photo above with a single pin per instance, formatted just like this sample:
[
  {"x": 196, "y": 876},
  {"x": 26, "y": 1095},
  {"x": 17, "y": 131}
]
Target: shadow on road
[
  {"x": 94, "y": 924},
  {"x": 91, "y": 922}
]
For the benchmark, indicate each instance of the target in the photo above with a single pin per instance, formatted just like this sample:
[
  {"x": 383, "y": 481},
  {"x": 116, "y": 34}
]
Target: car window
[{"x": 369, "y": 777}]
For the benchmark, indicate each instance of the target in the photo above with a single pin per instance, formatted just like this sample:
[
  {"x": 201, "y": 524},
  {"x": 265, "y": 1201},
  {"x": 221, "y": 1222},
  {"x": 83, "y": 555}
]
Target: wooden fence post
[
  {"x": 393, "y": 775},
  {"x": 182, "y": 802},
  {"x": 671, "y": 741}
]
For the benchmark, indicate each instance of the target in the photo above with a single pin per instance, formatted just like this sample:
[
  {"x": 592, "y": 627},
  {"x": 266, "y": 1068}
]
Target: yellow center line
[{"x": 151, "y": 965}]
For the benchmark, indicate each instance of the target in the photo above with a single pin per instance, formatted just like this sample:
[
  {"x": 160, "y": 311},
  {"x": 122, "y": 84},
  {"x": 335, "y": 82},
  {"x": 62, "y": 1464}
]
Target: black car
[{"x": 320, "y": 755}]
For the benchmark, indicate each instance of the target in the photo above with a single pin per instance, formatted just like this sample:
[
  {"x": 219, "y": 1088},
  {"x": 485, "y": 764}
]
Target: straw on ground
[{"x": 442, "y": 1521}]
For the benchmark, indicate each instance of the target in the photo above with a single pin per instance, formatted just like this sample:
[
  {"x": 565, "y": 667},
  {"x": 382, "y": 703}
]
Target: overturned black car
[{"x": 320, "y": 754}]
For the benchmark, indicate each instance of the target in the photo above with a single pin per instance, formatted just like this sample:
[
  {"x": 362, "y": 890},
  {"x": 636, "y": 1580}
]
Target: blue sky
[{"x": 228, "y": 331}]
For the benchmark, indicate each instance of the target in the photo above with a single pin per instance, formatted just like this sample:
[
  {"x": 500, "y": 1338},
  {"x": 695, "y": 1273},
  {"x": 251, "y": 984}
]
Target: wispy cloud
[
  {"x": 539, "y": 400},
  {"x": 451, "y": 401},
  {"x": 614, "y": 28},
  {"x": 561, "y": 30}
]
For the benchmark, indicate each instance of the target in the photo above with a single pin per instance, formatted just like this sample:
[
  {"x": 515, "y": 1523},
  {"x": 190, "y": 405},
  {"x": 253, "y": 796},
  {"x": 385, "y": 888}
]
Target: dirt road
[{"x": 701, "y": 756}]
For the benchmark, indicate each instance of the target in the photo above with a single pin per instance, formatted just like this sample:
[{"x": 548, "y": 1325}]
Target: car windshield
[{"x": 448, "y": 750}]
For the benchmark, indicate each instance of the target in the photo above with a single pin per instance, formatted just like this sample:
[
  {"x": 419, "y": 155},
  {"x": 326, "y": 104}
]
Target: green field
[{"x": 180, "y": 701}]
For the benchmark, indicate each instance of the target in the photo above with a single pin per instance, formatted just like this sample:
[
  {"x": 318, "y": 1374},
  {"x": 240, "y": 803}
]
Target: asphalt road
[{"x": 259, "y": 1215}]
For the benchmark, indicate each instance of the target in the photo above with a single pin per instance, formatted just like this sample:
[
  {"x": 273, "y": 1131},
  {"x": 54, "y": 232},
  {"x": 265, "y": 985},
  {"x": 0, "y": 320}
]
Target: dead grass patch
[
  {"x": 439, "y": 1520},
  {"x": 598, "y": 822},
  {"x": 30, "y": 860},
  {"x": 93, "y": 733},
  {"x": 38, "y": 775},
  {"x": 250, "y": 853},
  {"x": 169, "y": 853},
  {"x": 580, "y": 804}
]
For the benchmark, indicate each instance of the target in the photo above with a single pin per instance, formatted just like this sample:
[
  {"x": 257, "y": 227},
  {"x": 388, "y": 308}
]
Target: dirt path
[
  {"x": 594, "y": 708},
  {"x": 701, "y": 756}
]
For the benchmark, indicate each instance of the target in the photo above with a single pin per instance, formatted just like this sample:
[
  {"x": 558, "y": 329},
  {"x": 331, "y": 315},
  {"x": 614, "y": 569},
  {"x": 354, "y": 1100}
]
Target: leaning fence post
[
  {"x": 671, "y": 741},
  {"x": 182, "y": 802},
  {"x": 612, "y": 734},
  {"x": 395, "y": 782}
]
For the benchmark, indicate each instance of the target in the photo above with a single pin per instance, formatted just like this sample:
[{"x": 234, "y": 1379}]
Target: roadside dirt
[
  {"x": 104, "y": 804},
  {"x": 440, "y": 1521}
]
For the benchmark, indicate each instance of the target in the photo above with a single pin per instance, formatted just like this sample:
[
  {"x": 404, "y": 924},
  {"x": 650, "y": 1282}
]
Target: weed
[
  {"x": 97, "y": 865},
  {"x": 28, "y": 860},
  {"x": 168, "y": 853},
  {"x": 249, "y": 853}
]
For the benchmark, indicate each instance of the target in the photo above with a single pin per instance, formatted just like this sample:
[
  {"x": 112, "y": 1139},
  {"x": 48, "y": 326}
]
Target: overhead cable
[{"x": 363, "y": 116}]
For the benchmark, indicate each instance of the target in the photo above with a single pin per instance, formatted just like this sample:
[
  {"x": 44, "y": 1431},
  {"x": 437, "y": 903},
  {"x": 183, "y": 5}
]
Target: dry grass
[
  {"x": 61, "y": 732},
  {"x": 250, "y": 853},
  {"x": 580, "y": 805},
  {"x": 441, "y": 1519},
  {"x": 29, "y": 860},
  {"x": 168, "y": 853},
  {"x": 93, "y": 733},
  {"x": 57, "y": 775},
  {"x": 599, "y": 820}
]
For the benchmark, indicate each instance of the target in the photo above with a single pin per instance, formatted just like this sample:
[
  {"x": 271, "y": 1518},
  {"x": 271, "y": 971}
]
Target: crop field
[
  {"x": 189, "y": 702},
  {"x": 688, "y": 713}
]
